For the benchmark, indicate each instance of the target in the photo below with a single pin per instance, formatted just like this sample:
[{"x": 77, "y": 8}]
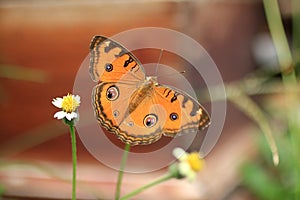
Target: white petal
[
  {"x": 191, "y": 176},
  {"x": 179, "y": 153},
  {"x": 184, "y": 168},
  {"x": 60, "y": 114},
  {"x": 77, "y": 98},
  {"x": 57, "y": 102},
  {"x": 71, "y": 116},
  {"x": 75, "y": 114}
]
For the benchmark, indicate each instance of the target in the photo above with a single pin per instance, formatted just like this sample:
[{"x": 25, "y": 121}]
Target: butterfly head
[{"x": 152, "y": 80}]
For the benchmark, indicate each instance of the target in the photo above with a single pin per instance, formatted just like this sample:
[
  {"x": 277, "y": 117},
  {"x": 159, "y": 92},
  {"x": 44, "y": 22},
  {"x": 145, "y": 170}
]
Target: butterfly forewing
[{"x": 110, "y": 61}]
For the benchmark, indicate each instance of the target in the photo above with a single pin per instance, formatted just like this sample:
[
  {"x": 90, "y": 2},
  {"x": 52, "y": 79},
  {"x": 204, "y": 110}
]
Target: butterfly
[{"x": 136, "y": 108}]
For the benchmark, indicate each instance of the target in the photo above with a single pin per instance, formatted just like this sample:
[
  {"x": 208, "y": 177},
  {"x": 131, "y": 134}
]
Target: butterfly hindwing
[
  {"x": 183, "y": 113},
  {"x": 112, "y": 112},
  {"x": 174, "y": 112}
]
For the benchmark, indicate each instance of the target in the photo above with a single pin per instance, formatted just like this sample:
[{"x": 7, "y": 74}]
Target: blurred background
[{"x": 42, "y": 45}]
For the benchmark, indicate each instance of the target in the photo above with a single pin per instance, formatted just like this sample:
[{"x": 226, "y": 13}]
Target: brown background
[{"x": 53, "y": 38}]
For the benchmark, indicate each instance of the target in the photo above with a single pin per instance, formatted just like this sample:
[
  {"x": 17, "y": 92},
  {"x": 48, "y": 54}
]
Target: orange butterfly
[{"x": 134, "y": 107}]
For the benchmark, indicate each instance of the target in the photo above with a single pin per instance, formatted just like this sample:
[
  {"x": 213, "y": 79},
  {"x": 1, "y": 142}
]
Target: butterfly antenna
[
  {"x": 172, "y": 74},
  {"x": 159, "y": 58}
]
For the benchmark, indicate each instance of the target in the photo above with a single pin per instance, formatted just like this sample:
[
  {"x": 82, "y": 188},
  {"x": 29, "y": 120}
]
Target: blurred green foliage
[
  {"x": 282, "y": 182},
  {"x": 22, "y": 73},
  {"x": 271, "y": 182}
]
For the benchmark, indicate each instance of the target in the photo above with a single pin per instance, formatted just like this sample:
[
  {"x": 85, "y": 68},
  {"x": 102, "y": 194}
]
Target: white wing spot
[
  {"x": 199, "y": 111},
  {"x": 131, "y": 123},
  {"x": 107, "y": 43},
  {"x": 116, "y": 113}
]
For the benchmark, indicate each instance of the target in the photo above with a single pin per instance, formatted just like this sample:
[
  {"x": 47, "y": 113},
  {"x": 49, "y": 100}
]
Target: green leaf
[{"x": 262, "y": 184}]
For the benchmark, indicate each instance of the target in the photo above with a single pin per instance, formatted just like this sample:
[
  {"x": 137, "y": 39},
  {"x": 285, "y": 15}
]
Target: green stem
[
  {"x": 249, "y": 107},
  {"x": 151, "y": 184},
  {"x": 121, "y": 172},
  {"x": 289, "y": 79},
  {"x": 284, "y": 55},
  {"x": 296, "y": 47},
  {"x": 74, "y": 159},
  {"x": 277, "y": 32},
  {"x": 295, "y": 5}
]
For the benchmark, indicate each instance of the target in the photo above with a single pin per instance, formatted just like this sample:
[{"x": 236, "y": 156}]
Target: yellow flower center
[
  {"x": 195, "y": 162},
  {"x": 69, "y": 104}
]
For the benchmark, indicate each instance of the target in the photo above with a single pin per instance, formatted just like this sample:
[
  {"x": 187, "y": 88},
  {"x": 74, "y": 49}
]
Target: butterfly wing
[
  {"x": 111, "y": 62},
  {"x": 129, "y": 126},
  {"x": 173, "y": 112},
  {"x": 118, "y": 71},
  {"x": 183, "y": 113},
  {"x": 163, "y": 110}
]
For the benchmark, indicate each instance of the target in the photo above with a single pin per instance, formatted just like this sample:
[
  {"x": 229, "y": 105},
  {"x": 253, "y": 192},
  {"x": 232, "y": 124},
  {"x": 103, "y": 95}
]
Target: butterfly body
[
  {"x": 144, "y": 91},
  {"x": 133, "y": 106}
]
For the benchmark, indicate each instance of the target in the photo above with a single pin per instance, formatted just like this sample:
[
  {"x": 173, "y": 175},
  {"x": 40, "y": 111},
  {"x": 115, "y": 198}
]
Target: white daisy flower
[
  {"x": 189, "y": 163},
  {"x": 69, "y": 105}
]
